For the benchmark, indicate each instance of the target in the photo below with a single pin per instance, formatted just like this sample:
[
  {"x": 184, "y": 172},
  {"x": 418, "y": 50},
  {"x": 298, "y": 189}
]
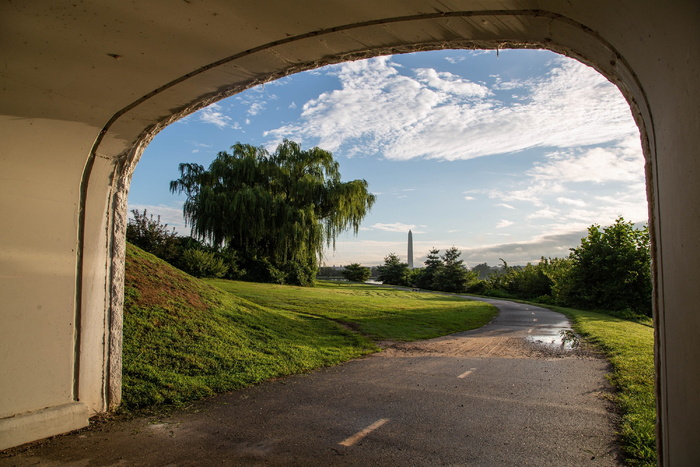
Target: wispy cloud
[
  {"x": 395, "y": 227},
  {"x": 571, "y": 202},
  {"x": 454, "y": 60},
  {"x": 504, "y": 223},
  {"x": 621, "y": 163},
  {"x": 213, "y": 115},
  {"x": 550, "y": 246},
  {"x": 431, "y": 114},
  {"x": 584, "y": 185},
  {"x": 256, "y": 107}
]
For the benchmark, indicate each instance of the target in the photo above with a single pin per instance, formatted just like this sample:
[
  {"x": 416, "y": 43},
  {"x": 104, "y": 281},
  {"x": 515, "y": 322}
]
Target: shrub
[
  {"x": 477, "y": 286},
  {"x": 612, "y": 269},
  {"x": 262, "y": 270},
  {"x": 393, "y": 271},
  {"x": 153, "y": 236},
  {"x": 203, "y": 264},
  {"x": 356, "y": 273},
  {"x": 296, "y": 273}
]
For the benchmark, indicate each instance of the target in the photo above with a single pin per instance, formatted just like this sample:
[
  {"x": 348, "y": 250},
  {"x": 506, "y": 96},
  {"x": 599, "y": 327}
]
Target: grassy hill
[{"x": 185, "y": 338}]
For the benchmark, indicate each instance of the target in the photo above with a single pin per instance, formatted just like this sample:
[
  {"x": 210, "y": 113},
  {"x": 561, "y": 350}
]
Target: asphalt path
[{"x": 506, "y": 394}]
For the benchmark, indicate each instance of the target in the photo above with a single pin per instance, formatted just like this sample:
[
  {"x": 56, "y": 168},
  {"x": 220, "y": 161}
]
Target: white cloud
[
  {"x": 454, "y": 60},
  {"x": 396, "y": 227},
  {"x": 545, "y": 213},
  {"x": 551, "y": 245},
  {"x": 469, "y": 198},
  {"x": 571, "y": 202},
  {"x": 256, "y": 107},
  {"x": 377, "y": 110},
  {"x": 212, "y": 114},
  {"x": 169, "y": 214},
  {"x": 504, "y": 223},
  {"x": 504, "y": 205},
  {"x": 596, "y": 165},
  {"x": 450, "y": 83}
]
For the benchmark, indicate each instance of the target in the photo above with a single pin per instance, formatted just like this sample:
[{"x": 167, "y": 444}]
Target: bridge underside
[{"x": 86, "y": 85}]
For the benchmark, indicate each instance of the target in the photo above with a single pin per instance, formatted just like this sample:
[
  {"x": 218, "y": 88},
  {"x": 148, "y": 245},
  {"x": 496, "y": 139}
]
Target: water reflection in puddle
[{"x": 566, "y": 339}]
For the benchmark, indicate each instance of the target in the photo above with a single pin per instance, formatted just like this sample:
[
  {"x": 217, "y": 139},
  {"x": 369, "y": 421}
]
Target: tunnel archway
[
  {"x": 613, "y": 68},
  {"x": 115, "y": 128}
]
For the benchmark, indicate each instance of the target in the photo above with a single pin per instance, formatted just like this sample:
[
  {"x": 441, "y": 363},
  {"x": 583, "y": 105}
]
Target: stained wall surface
[{"x": 85, "y": 85}]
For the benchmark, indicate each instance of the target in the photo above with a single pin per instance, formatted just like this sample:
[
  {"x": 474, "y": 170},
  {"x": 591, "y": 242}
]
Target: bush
[
  {"x": 356, "y": 273},
  {"x": 477, "y": 286},
  {"x": 393, "y": 271},
  {"x": 262, "y": 270},
  {"x": 203, "y": 264},
  {"x": 296, "y": 273},
  {"x": 153, "y": 236},
  {"x": 612, "y": 269}
]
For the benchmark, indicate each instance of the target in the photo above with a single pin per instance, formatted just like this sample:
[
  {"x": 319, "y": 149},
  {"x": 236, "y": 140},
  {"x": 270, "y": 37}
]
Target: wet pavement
[
  {"x": 535, "y": 324},
  {"x": 493, "y": 396}
]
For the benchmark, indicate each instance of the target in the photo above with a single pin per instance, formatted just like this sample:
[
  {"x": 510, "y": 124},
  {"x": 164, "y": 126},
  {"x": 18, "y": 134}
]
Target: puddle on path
[{"x": 566, "y": 339}]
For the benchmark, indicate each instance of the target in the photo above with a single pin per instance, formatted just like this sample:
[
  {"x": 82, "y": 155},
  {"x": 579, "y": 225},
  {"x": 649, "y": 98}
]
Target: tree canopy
[
  {"x": 612, "y": 268},
  {"x": 355, "y": 272},
  {"x": 393, "y": 271},
  {"x": 282, "y": 206}
]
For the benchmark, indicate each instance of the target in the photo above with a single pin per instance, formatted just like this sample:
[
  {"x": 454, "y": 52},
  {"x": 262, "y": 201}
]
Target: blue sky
[{"x": 505, "y": 156}]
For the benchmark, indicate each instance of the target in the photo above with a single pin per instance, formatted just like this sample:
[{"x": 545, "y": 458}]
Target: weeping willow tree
[{"x": 285, "y": 206}]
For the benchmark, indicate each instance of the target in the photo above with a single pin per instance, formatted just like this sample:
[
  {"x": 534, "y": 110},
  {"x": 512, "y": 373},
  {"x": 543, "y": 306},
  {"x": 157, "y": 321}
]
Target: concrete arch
[{"x": 88, "y": 117}]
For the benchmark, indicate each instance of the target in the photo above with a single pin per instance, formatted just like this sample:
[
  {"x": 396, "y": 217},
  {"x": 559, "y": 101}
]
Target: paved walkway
[{"x": 501, "y": 395}]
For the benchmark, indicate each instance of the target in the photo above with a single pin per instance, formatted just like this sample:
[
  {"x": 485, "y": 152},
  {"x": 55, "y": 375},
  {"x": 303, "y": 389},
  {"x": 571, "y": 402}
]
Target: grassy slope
[
  {"x": 185, "y": 339},
  {"x": 629, "y": 347},
  {"x": 382, "y": 313}
]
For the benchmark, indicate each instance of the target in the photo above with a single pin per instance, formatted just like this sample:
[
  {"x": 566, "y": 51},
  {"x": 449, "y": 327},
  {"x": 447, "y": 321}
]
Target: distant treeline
[{"x": 609, "y": 271}]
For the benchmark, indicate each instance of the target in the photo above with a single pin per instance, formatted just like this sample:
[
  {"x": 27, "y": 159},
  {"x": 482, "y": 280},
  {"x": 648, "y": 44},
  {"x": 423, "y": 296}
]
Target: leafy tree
[
  {"x": 393, "y": 271},
  {"x": 427, "y": 275},
  {"x": 612, "y": 269},
  {"x": 201, "y": 263},
  {"x": 452, "y": 276},
  {"x": 356, "y": 273},
  {"x": 559, "y": 272},
  {"x": 532, "y": 281},
  {"x": 152, "y": 236},
  {"x": 281, "y": 207},
  {"x": 483, "y": 270}
]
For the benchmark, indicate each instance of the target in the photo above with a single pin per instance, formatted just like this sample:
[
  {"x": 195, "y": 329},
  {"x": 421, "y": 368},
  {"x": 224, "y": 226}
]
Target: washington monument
[{"x": 410, "y": 250}]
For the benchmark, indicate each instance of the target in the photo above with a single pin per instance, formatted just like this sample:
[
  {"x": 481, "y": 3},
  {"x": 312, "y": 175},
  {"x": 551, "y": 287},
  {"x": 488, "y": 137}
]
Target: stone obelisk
[{"x": 410, "y": 250}]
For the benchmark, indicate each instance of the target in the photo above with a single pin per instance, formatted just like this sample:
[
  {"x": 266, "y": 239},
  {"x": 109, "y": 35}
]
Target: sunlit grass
[
  {"x": 629, "y": 346},
  {"x": 382, "y": 313},
  {"x": 185, "y": 339}
]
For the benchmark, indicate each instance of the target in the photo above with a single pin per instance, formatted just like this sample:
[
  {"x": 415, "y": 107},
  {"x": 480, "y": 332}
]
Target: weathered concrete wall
[{"x": 86, "y": 84}]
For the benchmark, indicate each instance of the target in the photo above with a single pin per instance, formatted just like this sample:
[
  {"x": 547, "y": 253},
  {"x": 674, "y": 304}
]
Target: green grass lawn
[
  {"x": 381, "y": 313},
  {"x": 629, "y": 346},
  {"x": 185, "y": 339}
]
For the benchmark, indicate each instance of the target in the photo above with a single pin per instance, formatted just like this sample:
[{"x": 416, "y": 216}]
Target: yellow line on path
[{"x": 362, "y": 433}]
